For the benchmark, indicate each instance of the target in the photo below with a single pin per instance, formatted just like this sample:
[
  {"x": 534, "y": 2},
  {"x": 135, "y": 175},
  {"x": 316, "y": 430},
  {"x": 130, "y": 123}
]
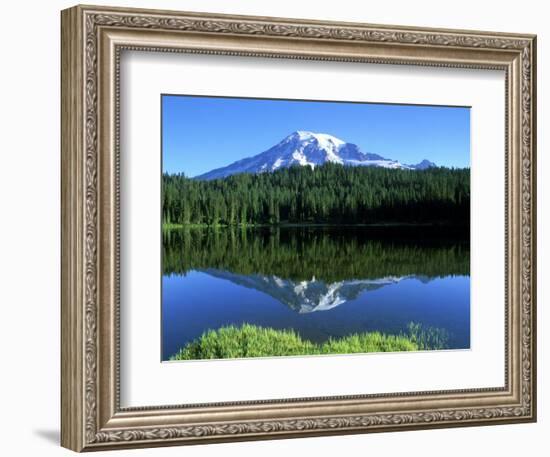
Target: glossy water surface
[{"x": 322, "y": 282}]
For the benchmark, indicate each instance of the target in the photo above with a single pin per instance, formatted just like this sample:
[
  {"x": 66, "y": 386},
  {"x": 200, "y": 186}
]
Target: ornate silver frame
[{"x": 92, "y": 40}]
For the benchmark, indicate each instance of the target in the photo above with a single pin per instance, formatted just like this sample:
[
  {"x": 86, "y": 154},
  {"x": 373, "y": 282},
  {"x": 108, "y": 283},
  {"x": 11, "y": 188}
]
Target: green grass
[
  {"x": 177, "y": 226},
  {"x": 428, "y": 337},
  {"x": 253, "y": 341},
  {"x": 171, "y": 226}
]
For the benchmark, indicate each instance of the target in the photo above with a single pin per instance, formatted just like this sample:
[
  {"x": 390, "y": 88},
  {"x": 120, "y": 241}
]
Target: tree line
[
  {"x": 331, "y": 194},
  {"x": 299, "y": 253}
]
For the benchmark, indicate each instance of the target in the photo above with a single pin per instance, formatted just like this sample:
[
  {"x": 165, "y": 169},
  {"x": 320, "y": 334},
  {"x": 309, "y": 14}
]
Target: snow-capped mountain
[
  {"x": 312, "y": 149},
  {"x": 305, "y": 296}
]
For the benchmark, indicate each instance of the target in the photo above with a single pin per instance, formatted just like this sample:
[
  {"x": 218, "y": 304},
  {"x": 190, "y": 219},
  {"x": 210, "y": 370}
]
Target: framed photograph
[{"x": 274, "y": 228}]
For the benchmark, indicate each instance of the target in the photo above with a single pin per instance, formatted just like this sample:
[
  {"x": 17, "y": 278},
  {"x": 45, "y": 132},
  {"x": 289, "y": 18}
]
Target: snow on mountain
[
  {"x": 306, "y": 296},
  {"x": 309, "y": 149},
  {"x": 425, "y": 164}
]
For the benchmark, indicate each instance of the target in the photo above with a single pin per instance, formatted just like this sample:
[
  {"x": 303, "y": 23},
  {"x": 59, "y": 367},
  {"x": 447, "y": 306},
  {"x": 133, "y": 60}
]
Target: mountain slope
[
  {"x": 306, "y": 296},
  {"x": 309, "y": 149}
]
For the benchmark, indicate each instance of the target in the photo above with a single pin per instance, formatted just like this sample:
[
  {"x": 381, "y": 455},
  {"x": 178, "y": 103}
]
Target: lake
[{"x": 323, "y": 282}]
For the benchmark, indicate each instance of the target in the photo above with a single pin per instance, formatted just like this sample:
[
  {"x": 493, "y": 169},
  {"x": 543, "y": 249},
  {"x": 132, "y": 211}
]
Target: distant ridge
[{"x": 309, "y": 149}]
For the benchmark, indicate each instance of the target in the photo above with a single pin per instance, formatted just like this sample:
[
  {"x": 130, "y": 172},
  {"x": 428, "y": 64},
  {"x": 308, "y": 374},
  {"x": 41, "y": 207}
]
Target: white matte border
[{"x": 145, "y": 381}]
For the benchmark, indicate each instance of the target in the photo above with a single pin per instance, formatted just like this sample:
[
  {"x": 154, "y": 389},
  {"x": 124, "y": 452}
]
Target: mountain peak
[
  {"x": 306, "y": 148},
  {"x": 425, "y": 164},
  {"x": 323, "y": 139}
]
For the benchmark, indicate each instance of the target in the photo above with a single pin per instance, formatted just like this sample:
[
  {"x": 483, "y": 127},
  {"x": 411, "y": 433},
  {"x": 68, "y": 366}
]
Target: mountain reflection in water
[{"x": 322, "y": 282}]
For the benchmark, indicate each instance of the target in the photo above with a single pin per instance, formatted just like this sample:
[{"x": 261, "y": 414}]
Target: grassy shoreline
[
  {"x": 254, "y": 341},
  {"x": 173, "y": 226}
]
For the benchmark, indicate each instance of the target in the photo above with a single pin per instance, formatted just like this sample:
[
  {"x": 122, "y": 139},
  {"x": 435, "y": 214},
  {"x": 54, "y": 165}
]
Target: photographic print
[{"x": 307, "y": 227}]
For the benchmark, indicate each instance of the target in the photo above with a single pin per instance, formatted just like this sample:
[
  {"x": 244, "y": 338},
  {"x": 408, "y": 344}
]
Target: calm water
[{"x": 322, "y": 282}]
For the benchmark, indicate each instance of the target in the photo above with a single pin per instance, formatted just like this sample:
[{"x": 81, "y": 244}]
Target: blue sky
[{"x": 203, "y": 133}]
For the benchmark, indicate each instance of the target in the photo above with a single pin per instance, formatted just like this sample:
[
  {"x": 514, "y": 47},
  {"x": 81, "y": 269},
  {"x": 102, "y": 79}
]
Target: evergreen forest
[{"x": 328, "y": 194}]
